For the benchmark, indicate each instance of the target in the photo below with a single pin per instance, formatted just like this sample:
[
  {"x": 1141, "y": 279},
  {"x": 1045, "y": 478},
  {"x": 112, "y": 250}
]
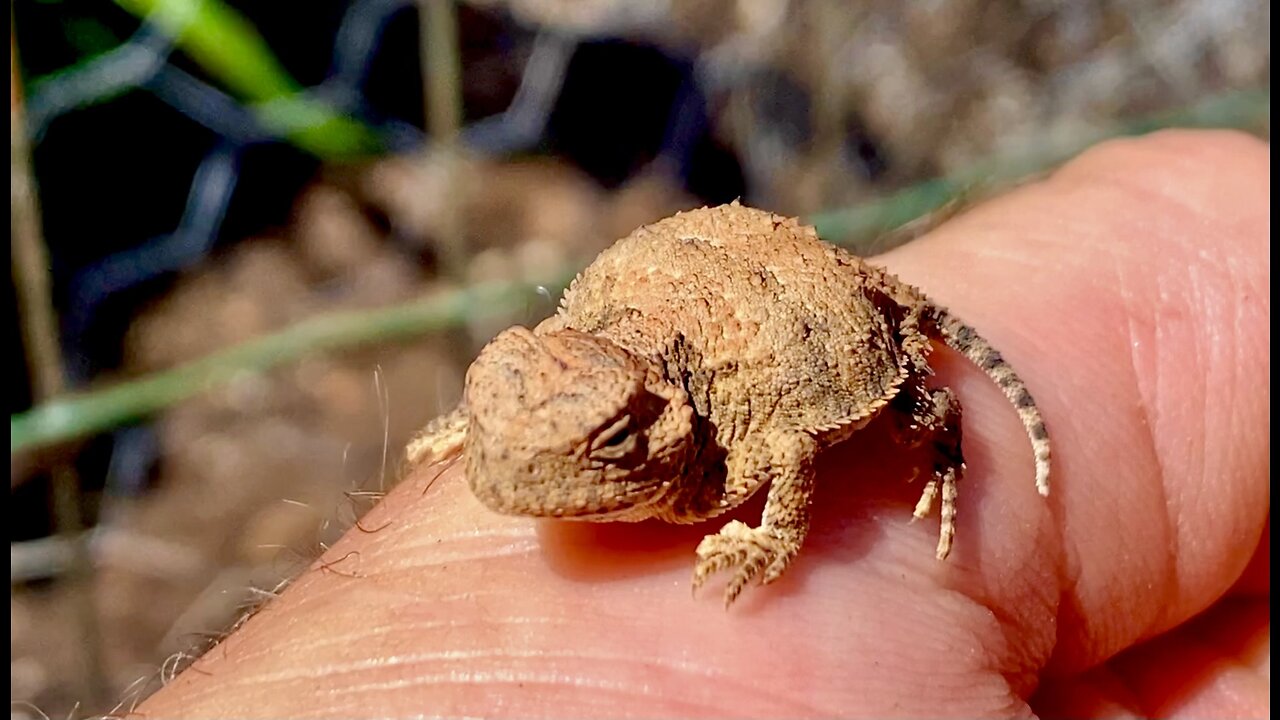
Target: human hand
[{"x": 1131, "y": 292}]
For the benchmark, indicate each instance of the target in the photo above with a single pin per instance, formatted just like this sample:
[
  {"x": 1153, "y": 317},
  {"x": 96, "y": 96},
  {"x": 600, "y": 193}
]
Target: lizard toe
[{"x": 754, "y": 554}]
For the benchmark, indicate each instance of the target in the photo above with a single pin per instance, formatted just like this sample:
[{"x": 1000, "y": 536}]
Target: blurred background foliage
[{"x": 255, "y": 244}]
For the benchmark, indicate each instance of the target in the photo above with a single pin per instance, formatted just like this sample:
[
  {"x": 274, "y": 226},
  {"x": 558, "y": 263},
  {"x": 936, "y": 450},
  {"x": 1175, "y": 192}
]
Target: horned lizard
[{"x": 699, "y": 359}]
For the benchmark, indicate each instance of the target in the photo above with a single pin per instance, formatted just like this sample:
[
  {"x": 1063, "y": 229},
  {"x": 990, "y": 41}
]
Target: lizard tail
[{"x": 965, "y": 340}]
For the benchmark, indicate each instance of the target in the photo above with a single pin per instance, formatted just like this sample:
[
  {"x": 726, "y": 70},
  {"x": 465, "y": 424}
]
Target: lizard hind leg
[
  {"x": 947, "y": 530},
  {"x": 441, "y": 439},
  {"x": 933, "y": 416}
]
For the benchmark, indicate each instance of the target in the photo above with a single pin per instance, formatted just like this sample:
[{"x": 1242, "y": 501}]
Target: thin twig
[
  {"x": 48, "y": 376},
  {"x": 30, "y": 261},
  {"x": 442, "y": 77}
]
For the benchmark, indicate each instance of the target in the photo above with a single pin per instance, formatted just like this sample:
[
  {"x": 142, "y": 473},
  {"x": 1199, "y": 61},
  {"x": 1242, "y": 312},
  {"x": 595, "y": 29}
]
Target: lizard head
[{"x": 571, "y": 425}]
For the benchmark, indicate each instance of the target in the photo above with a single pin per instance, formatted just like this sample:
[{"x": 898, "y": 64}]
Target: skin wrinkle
[
  {"x": 1201, "y": 298},
  {"x": 527, "y": 546},
  {"x": 457, "y": 654},
  {"x": 1012, "y": 257},
  {"x": 325, "y": 592},
  {"x": 311, "y": 672},
  {"x": 510, "y": 677},
  {"x": 1208, "y": 299},
  {"x": 1152, "y": 341},
  {"x": 492, "y": 678},
  {"x": 401, "y": 628},
  {"x": 1238, "y": 427}
]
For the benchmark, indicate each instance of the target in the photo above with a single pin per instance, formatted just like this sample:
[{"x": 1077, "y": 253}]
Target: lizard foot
[
  {"x": 752, "y": 553},
  {"x": 947, "y": 480}
]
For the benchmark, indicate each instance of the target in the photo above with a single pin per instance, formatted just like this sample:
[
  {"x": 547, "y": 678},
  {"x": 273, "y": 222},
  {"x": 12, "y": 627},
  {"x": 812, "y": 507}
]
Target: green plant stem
[
  {"x": 76, "y": 415},
  {"x": 230, "y": 49}
]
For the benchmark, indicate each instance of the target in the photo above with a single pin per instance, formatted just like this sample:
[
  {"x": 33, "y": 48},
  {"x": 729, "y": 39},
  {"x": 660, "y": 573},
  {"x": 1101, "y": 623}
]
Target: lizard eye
[
  {"x": 614, "y": 441},
  {"x": 615, "y": 434},
  {"x": 617, "y": 438}
]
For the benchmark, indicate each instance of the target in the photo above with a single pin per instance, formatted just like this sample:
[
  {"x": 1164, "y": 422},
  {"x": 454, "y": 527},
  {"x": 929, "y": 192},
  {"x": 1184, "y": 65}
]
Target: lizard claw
[{"x": 753, "y": 553}]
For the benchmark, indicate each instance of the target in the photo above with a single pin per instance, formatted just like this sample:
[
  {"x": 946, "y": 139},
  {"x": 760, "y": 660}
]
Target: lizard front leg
[
  {"x": 440, "y": 439},
  {"x": 786, "y": 462}
]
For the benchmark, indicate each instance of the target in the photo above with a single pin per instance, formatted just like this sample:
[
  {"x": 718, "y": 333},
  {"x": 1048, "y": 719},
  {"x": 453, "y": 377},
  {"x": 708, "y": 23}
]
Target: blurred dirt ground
[{"x": 257, "y": 475}]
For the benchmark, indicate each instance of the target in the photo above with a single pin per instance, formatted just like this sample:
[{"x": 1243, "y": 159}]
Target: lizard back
[{"x": 783, "y": 329}]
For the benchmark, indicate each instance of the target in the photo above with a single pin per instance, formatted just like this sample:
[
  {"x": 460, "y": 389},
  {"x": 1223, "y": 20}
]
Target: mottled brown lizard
[{"x": 699, "y": 359}]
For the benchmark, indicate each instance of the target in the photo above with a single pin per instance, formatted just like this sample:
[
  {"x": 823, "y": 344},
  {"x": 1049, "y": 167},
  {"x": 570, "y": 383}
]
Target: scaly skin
[{"x": 699, "y": 359}]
